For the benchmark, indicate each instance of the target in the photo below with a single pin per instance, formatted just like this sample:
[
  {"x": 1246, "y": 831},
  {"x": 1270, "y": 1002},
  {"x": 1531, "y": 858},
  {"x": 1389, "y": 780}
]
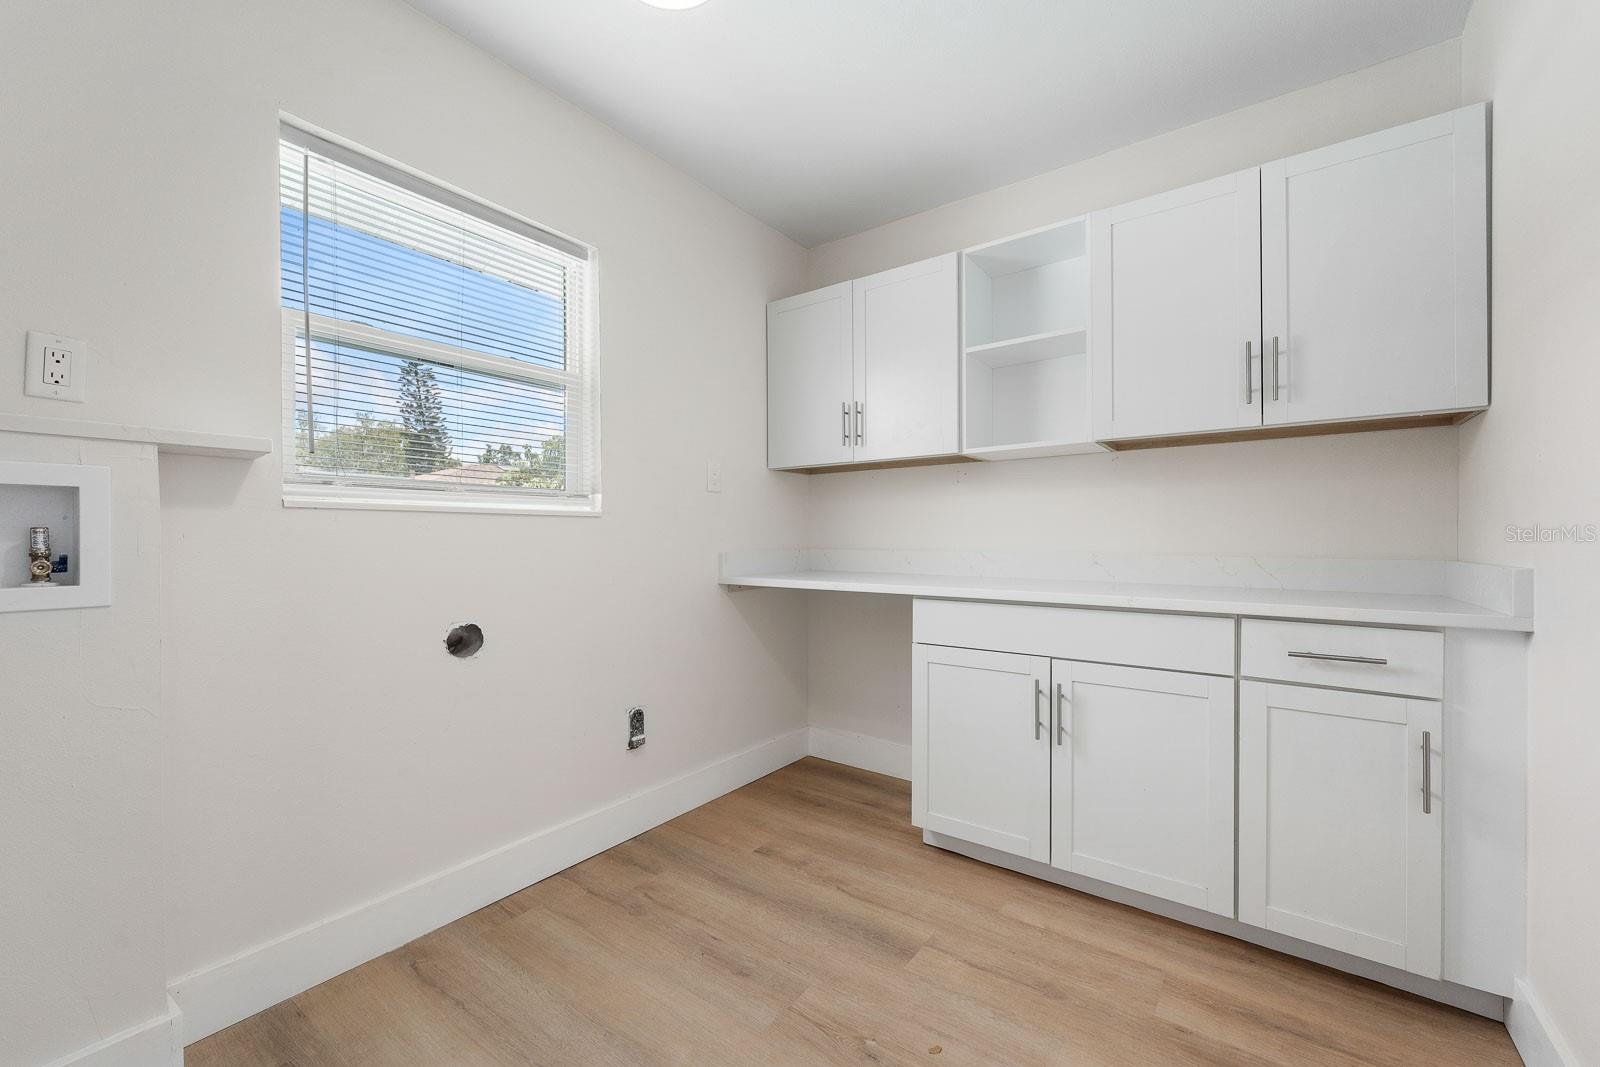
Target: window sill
[{"x": 345, "y": 498}]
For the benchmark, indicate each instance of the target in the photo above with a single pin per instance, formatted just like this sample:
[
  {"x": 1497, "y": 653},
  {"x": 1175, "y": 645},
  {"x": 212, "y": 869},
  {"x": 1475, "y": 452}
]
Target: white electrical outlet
[
  {"x": 713, "y": 477},
  {"x": 57, "y": 367}
]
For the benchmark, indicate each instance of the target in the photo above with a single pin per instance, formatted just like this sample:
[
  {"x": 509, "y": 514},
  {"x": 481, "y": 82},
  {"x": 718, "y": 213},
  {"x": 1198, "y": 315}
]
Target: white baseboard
[
  {"x": 1538, "y": 1041},
  {"x": 156, "y": 1043},
  {"x": 220, "y": 995},
  {"x": 858, "y": 750}
]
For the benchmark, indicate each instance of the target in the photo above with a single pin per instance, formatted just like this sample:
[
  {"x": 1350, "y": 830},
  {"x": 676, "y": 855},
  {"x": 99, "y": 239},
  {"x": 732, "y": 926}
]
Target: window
[{"x": 437, "y": 353}]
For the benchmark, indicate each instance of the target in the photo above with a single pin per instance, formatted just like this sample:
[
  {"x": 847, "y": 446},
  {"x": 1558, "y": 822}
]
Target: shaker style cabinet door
[
  {"x": 810, "y": 406},
  {"x": 981, "y": 748},
  {"x": 1340, "y": 821},
  {"x": 908, "y": 362},
  {"x": 1375, "y": 290},
  {"x": 1142, "y": 780},
  {"x": 1175, "y": 311}
]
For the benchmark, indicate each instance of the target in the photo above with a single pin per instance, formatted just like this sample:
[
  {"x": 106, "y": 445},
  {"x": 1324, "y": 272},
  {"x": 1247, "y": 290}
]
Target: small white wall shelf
[
  {"x": 1025, "y": 368},
  {"x": 75, "y": 502},
  {"x": 167, "y": 441}
]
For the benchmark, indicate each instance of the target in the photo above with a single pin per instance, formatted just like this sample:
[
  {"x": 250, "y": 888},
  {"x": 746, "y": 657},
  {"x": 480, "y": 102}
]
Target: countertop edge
[{"x": 1469, "y": 618}]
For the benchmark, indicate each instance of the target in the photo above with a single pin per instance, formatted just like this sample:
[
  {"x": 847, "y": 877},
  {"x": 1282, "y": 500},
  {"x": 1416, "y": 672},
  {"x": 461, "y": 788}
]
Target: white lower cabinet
[
  {"x": 1340, "y": 821},
  {"x": 981, "y": 748},
  {"x": 1129, "y": 764},
  {"x": 1142, "y": 781},
  {"x": 1118, "y": 773}
]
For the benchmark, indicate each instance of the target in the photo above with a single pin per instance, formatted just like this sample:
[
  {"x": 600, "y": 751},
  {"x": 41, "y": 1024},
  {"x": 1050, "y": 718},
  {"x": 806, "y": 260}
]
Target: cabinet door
[
  {"x": 809, "y": 357},
  {"x": 1142, "y": 781},
  {"x": 1375, "y": 274},
  {"x": 907, "y": 361},
  {"x": 1175, "y": 311},
  {"x": 980, "y": 764},
  {"x": 1339, "y": 844}
]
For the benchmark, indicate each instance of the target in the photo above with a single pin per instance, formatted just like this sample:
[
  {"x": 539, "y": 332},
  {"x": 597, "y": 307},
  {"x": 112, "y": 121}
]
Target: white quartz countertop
[{"x": 1446, "y": 594}]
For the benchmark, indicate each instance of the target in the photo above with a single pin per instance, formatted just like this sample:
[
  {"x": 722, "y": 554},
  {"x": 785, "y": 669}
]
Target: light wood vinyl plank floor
[{"x": 801, "y": 920}]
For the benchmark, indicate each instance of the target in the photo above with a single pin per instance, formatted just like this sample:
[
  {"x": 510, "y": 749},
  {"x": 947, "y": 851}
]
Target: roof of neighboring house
[{"x": 479, "y": 473}]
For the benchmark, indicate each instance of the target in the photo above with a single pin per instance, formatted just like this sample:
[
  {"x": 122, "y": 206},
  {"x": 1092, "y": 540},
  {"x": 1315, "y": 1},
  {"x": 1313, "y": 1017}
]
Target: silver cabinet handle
[
  {"x": 1038, "y": 723},
  {"x": 1374, "y": 660},
  {"x": 1427, "y": 772},
  {"x": 1249, "y": 384},
  {"x": 1277, "y": 370},
  {"x": 844, "y": 421},
  {"x": 861, "y": 419},
  {"x": 1061, "y": 715}
]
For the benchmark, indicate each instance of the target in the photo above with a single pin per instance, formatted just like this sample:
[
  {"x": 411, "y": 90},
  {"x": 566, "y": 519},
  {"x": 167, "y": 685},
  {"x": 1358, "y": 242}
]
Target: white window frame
[{"x": 303, "y": 489}]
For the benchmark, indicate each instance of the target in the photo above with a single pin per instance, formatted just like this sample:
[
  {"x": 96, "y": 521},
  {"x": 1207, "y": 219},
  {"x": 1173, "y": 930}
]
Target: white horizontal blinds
[{"x": 449, "y": 350}]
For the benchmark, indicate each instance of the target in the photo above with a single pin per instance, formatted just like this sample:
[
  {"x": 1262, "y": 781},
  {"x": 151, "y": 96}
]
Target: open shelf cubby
[{"x": 1025, "y": 370}]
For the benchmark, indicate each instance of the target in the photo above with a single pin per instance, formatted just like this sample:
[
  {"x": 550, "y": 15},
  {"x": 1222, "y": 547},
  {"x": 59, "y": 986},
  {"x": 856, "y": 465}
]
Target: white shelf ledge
[
  {"x": 170, "y": 442},
  {"x": 1031, "y": 349}
]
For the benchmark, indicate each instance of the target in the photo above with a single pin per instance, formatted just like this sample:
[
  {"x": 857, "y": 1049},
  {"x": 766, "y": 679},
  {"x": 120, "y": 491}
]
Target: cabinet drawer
[
  {"x": 1198, "y": 644},
  {"x": 1408, "y": 662}
]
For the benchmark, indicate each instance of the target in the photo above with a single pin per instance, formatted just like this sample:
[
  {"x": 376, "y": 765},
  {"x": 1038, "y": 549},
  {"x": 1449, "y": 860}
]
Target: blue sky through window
[{"x": 360, "y": 278}]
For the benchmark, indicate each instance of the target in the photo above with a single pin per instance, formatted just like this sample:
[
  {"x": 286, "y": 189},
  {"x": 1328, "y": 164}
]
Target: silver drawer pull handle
[
  {"x": 1038, "y": 723},
  {"x": 844, "y": 416},
  {"x": 1374, "y": 660},
  {"x": 1427, "y": 772},
  {"x": 1249, "y": 380}
]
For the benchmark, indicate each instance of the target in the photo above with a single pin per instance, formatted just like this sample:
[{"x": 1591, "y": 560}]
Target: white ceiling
[{"x": 828, "y": 117}]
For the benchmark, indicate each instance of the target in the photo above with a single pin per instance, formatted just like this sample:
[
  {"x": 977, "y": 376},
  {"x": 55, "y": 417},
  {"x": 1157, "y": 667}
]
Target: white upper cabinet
[
  {"x": 907, "y": 360},
  {"x": 810, "y": 354},
  {"x": 1346, "y": 287},
  {"x": 866, "y": 371},
  {"x": 1375, "y": 274},
  {"x": 1345, "y": 284},
  {"x": 1175, "y": 319}
]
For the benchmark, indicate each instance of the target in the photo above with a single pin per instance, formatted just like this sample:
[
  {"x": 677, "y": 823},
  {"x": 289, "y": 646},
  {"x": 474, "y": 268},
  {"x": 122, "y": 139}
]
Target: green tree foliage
[
  {"x": 417, "y": 444},
  {"x": 502, "y": 455},
  {"x": 544, "y": 467},
  {"x": 368, "y": 445},
  {"x": 427, "y": 445}
]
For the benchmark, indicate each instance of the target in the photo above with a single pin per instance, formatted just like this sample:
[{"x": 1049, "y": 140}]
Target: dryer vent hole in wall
[
  {"x": 635, "y": 728},
  {"x": 464, "y": 640}
]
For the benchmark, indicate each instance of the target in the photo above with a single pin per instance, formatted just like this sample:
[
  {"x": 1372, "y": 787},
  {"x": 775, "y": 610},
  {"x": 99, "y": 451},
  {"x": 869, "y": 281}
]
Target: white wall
[
  {"x": 81, "y": 953},
  {"x": 1532, "y": 461},
  {"x": 321, "y": 747},
  {"x": 1373, "y": 495}
]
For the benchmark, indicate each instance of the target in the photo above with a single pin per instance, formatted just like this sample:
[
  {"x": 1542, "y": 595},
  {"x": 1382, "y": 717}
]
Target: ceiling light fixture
[{"x": 675, "y": 5}]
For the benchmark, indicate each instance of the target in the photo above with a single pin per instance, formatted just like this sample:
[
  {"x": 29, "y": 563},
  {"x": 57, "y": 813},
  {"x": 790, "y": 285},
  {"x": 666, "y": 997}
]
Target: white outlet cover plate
[{"x": 33, "y": 383}]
